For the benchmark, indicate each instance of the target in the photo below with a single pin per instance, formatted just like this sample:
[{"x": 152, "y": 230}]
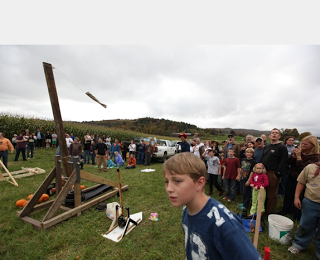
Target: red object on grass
[{"x": 266, "y": 253}]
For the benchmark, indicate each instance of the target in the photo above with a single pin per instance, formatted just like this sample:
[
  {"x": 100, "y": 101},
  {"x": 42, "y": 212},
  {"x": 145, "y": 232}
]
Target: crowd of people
[{"x": 282, "y": 169}]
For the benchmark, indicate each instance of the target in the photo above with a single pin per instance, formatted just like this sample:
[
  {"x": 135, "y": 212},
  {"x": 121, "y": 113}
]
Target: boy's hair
[
  {"x": 243, "y": 144},
  {"x": 230, "y": 149},
  {"x": 261, "y": 165},
  {"x": 185, "y": 163},
  {"x": 249, "y": 150},
  {"x": 210, "y": 150}
]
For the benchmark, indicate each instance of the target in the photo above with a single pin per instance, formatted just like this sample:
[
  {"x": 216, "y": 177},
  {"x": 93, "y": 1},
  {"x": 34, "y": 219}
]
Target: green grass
[{"x": 81, "y": 236}]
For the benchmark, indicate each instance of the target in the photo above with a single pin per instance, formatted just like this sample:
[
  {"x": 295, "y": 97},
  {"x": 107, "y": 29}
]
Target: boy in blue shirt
[{"x": 211, "y": 230}]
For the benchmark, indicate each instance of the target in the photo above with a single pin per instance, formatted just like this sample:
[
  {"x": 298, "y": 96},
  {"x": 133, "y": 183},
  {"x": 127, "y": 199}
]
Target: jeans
[
  {"x": 93, "y": 156},
  {"x": 309, "y": 226},
  {"x": 148, "y": 159},
  {"x": 140, "y": 157},
  {"x": 30, "y": 149},
  {"x": 23, "y": 151},
  {"x": 213, "y": 180},
  {"x": 86, "y": 156},
  {"x": 4, "y": 155},
  {"x": 230, "y": 188},
  {"x": 246, "y": 193}
]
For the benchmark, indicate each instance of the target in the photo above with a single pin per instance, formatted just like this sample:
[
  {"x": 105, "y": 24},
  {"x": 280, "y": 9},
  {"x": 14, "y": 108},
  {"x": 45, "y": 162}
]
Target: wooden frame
[
  {"x": 51, "y": 218},
  {"x": 25, "y": 172}
]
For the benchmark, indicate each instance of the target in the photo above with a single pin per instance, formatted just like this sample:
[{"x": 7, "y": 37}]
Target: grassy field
[{"x": 81, "y": 236}]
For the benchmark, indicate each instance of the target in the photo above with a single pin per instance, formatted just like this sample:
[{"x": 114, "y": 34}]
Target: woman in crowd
[{"x": 306, "y": 153}]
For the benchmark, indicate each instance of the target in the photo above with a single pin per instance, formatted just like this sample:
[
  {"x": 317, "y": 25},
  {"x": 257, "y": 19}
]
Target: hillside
[{"x": 166, "y": 127}]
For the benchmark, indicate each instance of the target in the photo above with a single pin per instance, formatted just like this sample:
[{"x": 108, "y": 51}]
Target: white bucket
[{"x": 280, "y": 228}]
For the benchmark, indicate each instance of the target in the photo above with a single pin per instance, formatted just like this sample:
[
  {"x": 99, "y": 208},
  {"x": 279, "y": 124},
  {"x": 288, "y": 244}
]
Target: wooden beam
[
  {"x": 6, "y": 170},
  {"x": 97, "y": 179},
  {"x": 37, "y": 224},
  {"x": 61, "y": 196},
  {"x": 48, "y": 71},
  {"x": 57, "y": 163},
  {"x": 35, "y": 198},
  {"x": 55, "y": 220}
]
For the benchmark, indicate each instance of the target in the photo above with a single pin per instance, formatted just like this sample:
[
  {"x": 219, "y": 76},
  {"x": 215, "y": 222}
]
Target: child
[
  {"x": 222, "y": 160},
  {"x": 210, "y": 229},
  {"x": 247, "y": 165},
  {"x": 110, "y": 163},
  {"x": 213, "y": 170},
  {"x": 309, "y": 227},
  {"x": 259, "y": 179},
  {"x": 132, "y": 162},
  {"x": 30, "y": 146},
  {"x": 231, "y": 170},
  {"x": 118, "y": 159},
  {"x": 243, "y": 148}
]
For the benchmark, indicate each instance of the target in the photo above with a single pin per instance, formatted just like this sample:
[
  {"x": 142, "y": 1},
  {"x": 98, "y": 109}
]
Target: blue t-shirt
[{"x": 216, "y": 233}]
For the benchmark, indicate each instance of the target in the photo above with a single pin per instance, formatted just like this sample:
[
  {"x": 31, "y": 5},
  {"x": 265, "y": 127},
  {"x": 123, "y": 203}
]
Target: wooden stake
[{"x": 258, "y": 219}]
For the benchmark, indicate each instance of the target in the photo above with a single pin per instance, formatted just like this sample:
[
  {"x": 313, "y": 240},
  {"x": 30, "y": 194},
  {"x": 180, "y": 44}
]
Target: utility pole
[{"x": 57, "y": 116}]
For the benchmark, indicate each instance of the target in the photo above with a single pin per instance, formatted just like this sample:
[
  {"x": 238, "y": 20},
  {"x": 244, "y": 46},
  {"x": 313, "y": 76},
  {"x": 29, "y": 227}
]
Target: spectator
[
  {"x": 289, "y": 143},
  {"x": 198, "y": 149},
  {"x": 118, "y": 159},
  {"x": 231, "y": 144},
  {"x": 215, "y": 147},
  {"x": 110, "y": 163},
  {"x": 75, "y": 149},
  {"x": 86, "y": 149},
  {"x": 124, "y": 150},
  {"x": 230, "y": 172},
  {"x": 132, "y": 147},
  {"x": 264, "y": 138},
  {"x": 21, "y": 147},
  {"x": 101, "y": 152},
  {"x": 48, "y": 138},
  {"x": 40, "y": 137},
  {"x": 115, "y": 147},
  {"x": 30, "y": 146},
  {"x": 132, "y": 162},
  {"x": 250, "y": 144},
  {"x": 247, "y": 165},
  {"x": 141, "y": 150},
  {"x": 54, "y": 139},
  {"x": 148, "y": 152},
  {"x": 258, "y": 150},
  {"x": 92, "y": 152},
  {"x": 305, "y": 154},
  {"x": 13, "y": 140},
  {"x": 243, "y": 148},
  {"x": 5, "y": 145},
  {"x": 69, "y": 141},
  {"x": 275, "y": 157},
  {"x": 249, "y": 138},
  {"x": 213, "y": 171},
  {"x": 185, "y": 146},
  {"x": 72, "y": 136}
]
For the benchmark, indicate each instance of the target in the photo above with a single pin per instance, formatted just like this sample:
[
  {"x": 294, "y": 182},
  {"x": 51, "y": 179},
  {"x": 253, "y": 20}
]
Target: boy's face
[
  {"x": 211, "y": 153},
  {"x": 249, "y": 155},
  {"x": 243, "y": 147},
  {"x": 231, "y": 153},
  {"x": 181, "y": 189}
]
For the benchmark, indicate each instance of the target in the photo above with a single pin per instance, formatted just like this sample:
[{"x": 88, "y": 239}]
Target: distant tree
[{"x": 303, "y": 135}]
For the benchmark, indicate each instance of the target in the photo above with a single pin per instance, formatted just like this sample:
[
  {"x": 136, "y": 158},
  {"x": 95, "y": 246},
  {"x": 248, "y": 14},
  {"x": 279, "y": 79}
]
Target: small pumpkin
[
  {"x": 30, "y": 196},
  {"x": 19, "y": 203},
  {"x": 45, "y": 197},
  {"x": 82, "y": 187},
  {"x": 24, "y": 203},
  {"x": 40, "y": 200}
]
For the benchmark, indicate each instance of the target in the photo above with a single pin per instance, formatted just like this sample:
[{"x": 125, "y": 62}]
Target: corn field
[{"x": 14, "y": 124}]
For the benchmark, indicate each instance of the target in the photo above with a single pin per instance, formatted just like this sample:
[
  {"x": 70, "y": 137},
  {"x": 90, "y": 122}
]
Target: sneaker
[
  {"x": 225, "y": 198},
  {"x": 293, "y": 250},
  {"x": 230, "y": 200}
]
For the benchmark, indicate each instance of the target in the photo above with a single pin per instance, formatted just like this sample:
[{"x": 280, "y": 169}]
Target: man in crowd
[
  {"x": 274, "y": 159},
  {"x": 5, "y": 145},
  {"x": 185, "y": 146},
  {"x": 231, "y": 144},
  {"x": 258, "y": 150}
]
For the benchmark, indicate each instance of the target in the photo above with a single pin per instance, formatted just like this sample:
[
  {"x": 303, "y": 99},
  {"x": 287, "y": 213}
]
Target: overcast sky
[
  {"x": 254, "y": 87},
  {"x": 144, "y": 59}
]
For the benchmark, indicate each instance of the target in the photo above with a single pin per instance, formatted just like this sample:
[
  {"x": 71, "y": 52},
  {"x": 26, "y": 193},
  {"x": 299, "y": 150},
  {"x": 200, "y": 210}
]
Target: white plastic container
[{"x": 280, "y": 228}]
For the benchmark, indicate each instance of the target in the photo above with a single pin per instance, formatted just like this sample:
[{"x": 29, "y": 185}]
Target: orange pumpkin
[
  {"x": 24, "y": 203},
  {"x": 82, "y": 187},
  {"x": 45, "y": 197},
  {"x": 40, "y": 200},
  {"x": 19, "y": 203},
  {"x": 29, "y": 197}
]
